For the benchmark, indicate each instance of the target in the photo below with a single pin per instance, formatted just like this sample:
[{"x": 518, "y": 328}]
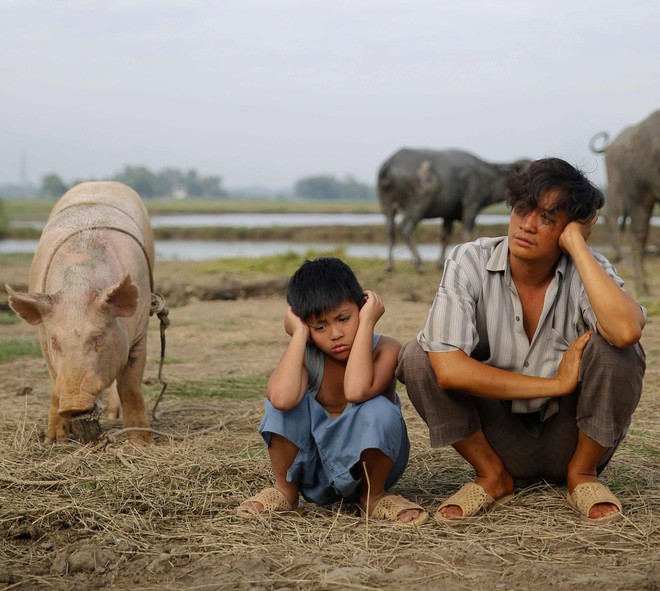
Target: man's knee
[
  {"x": 412, "y": 359},
  {"x": 629, "y": 361}
]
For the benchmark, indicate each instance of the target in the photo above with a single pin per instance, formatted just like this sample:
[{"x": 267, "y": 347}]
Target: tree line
[
  {"x": 169, "y": 182},
  {"x": 329, "y": 187},
  {"x": 174, "y": 183}
]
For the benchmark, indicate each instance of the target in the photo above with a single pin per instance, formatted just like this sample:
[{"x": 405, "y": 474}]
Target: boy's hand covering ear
[{"x": 293, "y": 323}]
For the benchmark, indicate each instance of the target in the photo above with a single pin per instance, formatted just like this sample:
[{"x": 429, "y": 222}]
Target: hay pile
[{"x": 116, "y": 516}]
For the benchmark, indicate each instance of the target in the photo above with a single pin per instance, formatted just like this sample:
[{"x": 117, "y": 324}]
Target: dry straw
[{"x": 164, "y": 515}]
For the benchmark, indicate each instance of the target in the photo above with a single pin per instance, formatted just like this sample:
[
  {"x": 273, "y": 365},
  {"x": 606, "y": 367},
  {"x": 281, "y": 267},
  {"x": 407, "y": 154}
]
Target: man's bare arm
[
  {"x": 620, "y": 319},
  {"x": 455, "y": 370}
]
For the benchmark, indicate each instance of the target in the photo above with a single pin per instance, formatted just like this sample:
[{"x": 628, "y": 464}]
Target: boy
[{"x": 333, "y": 422}]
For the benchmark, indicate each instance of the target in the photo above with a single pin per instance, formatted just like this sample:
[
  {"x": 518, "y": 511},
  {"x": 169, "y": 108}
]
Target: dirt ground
[{"x": 116, "y": 516}]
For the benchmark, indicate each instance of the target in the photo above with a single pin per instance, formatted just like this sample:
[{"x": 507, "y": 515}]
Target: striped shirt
[{"x": 477, "y": 310}]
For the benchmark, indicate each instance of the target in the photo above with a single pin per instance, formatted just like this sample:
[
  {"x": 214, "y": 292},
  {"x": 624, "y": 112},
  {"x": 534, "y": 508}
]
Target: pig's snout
[{"x": 82, "y": 401}]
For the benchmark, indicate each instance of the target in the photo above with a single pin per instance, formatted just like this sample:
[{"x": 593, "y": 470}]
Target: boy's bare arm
[
  {"x": 369, "y": 372},
  {"x": 455, "y": 370},
  {"x": 288, "y": 382}
]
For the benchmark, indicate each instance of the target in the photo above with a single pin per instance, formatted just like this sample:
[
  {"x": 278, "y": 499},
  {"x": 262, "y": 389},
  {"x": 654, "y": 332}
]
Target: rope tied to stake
[{"x": 158, "y": 308}]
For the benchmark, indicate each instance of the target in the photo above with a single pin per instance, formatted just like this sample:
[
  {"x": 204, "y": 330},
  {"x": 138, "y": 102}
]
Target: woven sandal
[
  {"x": 389, "y": 507},
  {"x": 588, "y": 494},
  {"x": 472, "y": 499},
  {"x": 273, "y": 501}
]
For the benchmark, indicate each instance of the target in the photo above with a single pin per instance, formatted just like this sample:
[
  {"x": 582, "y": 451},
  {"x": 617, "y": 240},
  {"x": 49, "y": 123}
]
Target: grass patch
[
  {"x": 38, "y": 209},
  {"x": 8, "y": 319},
  {"x": 281, "y": 264},
  {"x": 237, "y": 388},
  {"x": 15, "y": 348},
  {"x": 652, "y": 307}
]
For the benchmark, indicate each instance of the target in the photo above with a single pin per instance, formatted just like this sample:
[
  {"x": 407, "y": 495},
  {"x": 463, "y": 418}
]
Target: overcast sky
[{"x": 264, "y": 92}]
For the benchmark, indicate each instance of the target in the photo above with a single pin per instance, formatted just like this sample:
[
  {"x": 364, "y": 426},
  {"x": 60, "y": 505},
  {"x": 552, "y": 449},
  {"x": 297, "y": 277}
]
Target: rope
[
  {"x": 158, "y": 308},
  {"x": 123, "y": 231}
]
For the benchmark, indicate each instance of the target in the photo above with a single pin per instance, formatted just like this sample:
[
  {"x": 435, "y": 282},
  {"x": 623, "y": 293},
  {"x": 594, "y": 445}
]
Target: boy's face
[{"x": 333, "y": 332}]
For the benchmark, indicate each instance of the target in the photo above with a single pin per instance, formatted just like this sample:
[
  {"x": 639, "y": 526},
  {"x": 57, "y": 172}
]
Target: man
[{"x": 529, "y": 363}]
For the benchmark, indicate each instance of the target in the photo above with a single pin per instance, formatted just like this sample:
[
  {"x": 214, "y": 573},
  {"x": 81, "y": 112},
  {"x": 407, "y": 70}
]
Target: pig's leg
[
  {"x": 129, "y": 387},
  {"x": 114, "y": 404},
  {"x": 58, "y": 429}
]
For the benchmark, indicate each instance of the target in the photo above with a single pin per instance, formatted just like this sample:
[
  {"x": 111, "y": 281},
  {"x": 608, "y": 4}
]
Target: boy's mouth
[{"x": 339, "y": 348}]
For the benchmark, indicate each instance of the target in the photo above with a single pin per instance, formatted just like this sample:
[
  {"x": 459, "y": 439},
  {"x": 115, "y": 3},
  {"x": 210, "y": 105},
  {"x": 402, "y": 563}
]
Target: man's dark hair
[
  {"x": 580, "y": 198},
  {"x": 322, "y": 285}
]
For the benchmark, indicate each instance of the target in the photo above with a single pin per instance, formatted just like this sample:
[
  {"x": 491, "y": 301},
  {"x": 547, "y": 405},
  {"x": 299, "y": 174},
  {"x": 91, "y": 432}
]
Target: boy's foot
[
  {"x": 397, "y": 509},
  {"x": 269, "y": 500},
  {"x": 594, "y": 502},
  {"x": 468, "y": 501}
]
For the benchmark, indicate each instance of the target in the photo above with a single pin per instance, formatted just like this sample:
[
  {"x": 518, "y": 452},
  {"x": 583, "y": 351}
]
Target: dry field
[{"x": 115, "y": 516}]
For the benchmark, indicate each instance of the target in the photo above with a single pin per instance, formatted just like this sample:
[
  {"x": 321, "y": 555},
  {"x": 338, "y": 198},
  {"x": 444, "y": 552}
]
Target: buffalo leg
[
  {"x": 640, "y": 217},
  {"x": 445, "y": 237},
  {"x": 391, "y": 239},
  {"x": 406, "y": 229}
]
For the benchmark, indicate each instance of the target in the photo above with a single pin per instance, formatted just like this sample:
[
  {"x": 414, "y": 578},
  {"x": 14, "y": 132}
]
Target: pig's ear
[
  {"x": 31, "y": 307},
  {"x": 122, "y": 297}
]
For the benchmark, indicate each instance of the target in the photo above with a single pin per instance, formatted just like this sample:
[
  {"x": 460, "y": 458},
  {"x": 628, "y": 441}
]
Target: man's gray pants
[{"x": 609, "y": 388}]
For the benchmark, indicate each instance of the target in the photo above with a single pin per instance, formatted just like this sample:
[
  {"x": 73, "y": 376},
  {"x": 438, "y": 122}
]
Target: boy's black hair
[
  {"x": 580, "y": 198},
  {"x": 320, "y": 285}
]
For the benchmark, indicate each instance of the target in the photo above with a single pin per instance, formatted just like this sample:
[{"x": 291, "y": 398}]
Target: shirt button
[
  {"x": 526, "y": 364},
  {"x": 517, "y": 318}
]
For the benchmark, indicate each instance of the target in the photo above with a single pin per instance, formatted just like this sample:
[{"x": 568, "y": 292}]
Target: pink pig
[{"x": 90, "y": 293}]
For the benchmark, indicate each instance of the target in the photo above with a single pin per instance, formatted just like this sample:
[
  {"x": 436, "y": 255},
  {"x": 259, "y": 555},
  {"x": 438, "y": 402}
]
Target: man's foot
[
  {"x": 470, "y": 500},
  {"x": 269, "y": 500},
  {"x": 594, "y": 502},
  {"x": 397, "y": 509},
  {"x": 477, "y": 496}
]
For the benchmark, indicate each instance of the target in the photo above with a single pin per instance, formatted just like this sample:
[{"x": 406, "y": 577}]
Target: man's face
[
  {"x": 534, "y": 233},
  {"x": 334, "y": 332}
]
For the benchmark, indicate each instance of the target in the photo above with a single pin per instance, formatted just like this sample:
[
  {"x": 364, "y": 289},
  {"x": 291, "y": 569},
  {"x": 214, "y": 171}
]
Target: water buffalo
[
  {"x": 633, "y": 186},
  {"x": 90, "y": 293},
  {"x": 449, "y": 184}
]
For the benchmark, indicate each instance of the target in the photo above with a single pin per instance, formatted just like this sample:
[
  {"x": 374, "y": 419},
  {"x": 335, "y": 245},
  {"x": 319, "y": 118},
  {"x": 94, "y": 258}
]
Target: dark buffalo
[
  {"x": 633, "y": 186},
  {"x": 448, "y": 184}
]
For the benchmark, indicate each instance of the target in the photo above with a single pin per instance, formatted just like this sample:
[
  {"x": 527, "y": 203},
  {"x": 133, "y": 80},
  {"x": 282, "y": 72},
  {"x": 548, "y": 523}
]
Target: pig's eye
[{"x": 54, "y": 344}]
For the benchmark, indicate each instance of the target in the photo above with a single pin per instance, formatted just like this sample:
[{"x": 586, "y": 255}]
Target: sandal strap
[
  {"x": 273, "y": 501},
  {"x": 471, "y": 498},
  {"x": 389, "y": 507},
  {"x": 588, "y": 494}
]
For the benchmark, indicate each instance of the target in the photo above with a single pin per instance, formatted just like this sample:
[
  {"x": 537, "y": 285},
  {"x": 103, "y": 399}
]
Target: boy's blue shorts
[{"x": 327, "y": 464}]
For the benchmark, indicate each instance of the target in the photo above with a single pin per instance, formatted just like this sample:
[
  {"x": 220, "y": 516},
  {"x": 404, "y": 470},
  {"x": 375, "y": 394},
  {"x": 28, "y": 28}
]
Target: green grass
[
  {"x": 281, "y": 264},
  {"x": 15, "y": 348},
  {"x": 38, "y": 209},
  {"x": 652, "y": 307},
  {"x": 235, "y": 388},
  {"x": 8, "y": 319}
]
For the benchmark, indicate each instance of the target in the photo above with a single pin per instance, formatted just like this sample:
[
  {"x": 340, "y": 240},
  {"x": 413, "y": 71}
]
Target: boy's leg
[
  {"x": 365, "y": 451},
  {"x": 376, "y": 468},
  {"x": 285, "y": 433}
]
